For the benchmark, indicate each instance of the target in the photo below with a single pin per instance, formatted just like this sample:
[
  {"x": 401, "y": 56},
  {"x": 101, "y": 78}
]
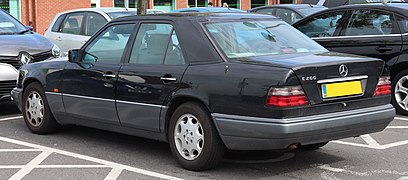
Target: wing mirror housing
[{"x": 73, "y": 55}]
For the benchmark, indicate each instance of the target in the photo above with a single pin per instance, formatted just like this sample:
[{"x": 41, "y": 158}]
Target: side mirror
[
  {"x": 73, "y": 55},
  {"x": 30, "y": 28}
]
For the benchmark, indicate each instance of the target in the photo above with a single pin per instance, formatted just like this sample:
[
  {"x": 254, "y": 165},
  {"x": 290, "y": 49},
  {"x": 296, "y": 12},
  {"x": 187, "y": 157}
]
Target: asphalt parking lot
[{"x": 84, "y": 153}]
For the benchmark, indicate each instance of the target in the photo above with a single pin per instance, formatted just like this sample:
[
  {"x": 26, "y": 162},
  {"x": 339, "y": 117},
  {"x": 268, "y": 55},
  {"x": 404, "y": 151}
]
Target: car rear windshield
[
  {"x": 260, "y": 38},
  {"x": 119, "y": 14},
  {"x": 308, "y": 11},
  {"x": 9, "y": 25}
]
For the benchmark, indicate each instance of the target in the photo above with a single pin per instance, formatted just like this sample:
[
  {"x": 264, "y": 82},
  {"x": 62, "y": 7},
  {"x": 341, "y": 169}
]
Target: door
[
  {"x": 324, "y": 28},
  {"x": 155, "y": 68},
  {"x": 370, "y": 33},
  {"x": 89, "y": 85}
]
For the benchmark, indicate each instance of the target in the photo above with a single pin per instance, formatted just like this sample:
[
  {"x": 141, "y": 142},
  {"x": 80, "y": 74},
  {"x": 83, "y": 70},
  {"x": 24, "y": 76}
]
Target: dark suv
[{"x": 19, "y": 45}]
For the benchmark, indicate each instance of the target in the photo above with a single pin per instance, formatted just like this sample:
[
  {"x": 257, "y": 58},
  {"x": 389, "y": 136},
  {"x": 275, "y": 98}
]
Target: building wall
[
  {"x": 106, "y": 3},
  {"x": 39, "y": 13}
]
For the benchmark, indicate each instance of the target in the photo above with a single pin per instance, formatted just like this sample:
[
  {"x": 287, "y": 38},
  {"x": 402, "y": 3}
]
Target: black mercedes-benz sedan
[
  {"x": 207, "y": 82},
  {"x": 374, "y": 30}
]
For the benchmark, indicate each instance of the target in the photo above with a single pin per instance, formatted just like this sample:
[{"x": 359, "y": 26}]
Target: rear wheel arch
[
  {"x": 397, "y": 68},
  {"x": 176, "y": 102}
]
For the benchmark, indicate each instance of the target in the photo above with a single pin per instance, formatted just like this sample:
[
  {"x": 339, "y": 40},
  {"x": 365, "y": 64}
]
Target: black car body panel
[{"x": 140, "y": 99}]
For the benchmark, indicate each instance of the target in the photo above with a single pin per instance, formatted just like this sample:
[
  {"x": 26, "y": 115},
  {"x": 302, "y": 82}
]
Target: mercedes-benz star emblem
[{"x": 343, "y": 70}]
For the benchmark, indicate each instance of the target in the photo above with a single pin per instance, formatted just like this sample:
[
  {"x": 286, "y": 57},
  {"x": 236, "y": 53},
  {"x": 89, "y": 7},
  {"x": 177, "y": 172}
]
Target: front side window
[
  {"x": 57, "y": 25},
  {"x": 323, "y": 25},
  {"x": 151, "y": 44},
  {"x": 108, "y": 47},
  {"x": 368, "y": 22},
  {"x": 73, "y": 23},
  {"x": 94, "y": 22},
  {"x": 258, "y": 38}
]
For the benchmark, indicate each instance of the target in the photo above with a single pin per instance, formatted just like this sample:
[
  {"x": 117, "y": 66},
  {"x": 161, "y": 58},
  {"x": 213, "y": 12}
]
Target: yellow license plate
[{"x": 341, "y": 89}]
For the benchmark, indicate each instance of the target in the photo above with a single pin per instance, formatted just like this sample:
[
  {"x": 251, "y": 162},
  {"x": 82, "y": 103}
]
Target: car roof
[
  {"x": 210, "y": 9},
  {"x": 105, "y": 10},
  {"x": 400, "y": 8},
  {"x": 292, "y": 6},
  {"x": 198, "y": 16}
]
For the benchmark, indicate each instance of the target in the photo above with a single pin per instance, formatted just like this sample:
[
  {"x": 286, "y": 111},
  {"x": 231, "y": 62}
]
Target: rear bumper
[{"x": 253, "y": 133}]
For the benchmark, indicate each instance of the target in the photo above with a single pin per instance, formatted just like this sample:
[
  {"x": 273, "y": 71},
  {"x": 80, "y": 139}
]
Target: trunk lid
[{"x": 329, "y": 77}]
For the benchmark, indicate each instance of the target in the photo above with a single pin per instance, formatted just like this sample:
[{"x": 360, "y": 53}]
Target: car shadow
[{"x": 8, "y": 109}]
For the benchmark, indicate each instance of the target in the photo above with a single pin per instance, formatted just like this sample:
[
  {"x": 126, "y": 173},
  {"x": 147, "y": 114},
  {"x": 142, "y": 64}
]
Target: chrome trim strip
[
  {"x": 342, "y": 79},
  {"x": 53, "y": 93},
  {"x": 362, "y": 36},
  {"x": 111, "y": 100},
  {"x": 86, "y": 97},
  {"x": 141, "y": 104}
]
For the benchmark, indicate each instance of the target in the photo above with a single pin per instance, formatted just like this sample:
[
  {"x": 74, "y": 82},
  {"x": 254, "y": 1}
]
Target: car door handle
[
  {"x": 383, "y": 49},
  {"x": 168, "y": 79},
  {"x": 58, "y": 39},
  {"x": 109, "y": 75}
]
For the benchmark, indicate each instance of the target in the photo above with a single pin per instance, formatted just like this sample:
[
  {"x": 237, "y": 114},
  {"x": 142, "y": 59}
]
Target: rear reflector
[
  {"x": 383, "y": 86},
  {"x": 287, "y": 97}
]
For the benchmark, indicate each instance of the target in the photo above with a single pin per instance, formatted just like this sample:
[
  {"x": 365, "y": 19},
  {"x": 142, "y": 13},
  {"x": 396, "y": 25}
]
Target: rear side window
[
  {"x": 323, "y": 25},
  {"x": 287, "y": 15},
  {"x": 57, "y": 25},
  {"x": 73, "y": 23},
  {"x": 94, "y": 22},
  {"x": 156, "y": 44},
  {"x": 369, "y": 22}
]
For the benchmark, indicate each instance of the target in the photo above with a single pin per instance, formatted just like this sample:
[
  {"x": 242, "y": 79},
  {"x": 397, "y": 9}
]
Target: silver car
[
  {"x": 71, "y": 29},
  {"x": 19, "y": 45}
]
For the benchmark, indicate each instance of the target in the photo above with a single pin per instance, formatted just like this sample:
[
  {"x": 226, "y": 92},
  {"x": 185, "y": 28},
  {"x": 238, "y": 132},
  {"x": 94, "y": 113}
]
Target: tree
[{"x": 141, "y": 7}]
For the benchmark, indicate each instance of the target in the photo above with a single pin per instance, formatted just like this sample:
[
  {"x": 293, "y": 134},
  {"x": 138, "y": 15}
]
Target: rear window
[
  {"x": 119, "y": 14},
  {"x": 260, "y": 38}
]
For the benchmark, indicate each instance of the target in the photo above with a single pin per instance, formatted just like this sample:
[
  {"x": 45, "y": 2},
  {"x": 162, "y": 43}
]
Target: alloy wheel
[
  {"x": 34, "y": 109},
  {"x": 189, "y": 137}
]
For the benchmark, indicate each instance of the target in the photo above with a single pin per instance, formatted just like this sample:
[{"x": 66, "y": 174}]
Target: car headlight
[{"x": 56, "y": 51}]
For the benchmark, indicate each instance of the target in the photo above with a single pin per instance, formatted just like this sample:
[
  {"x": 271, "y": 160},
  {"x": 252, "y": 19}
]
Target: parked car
[
  {"x": 206, "y": 81},
  {"x": 71, "y": 29},
  {"x": 290, "y": 13},
  {"x": 19, "y": 45},
  {"x": 210, "y": 9},
  {"x": 336, "y": 3},
  {"x": 374, "y": 30}
]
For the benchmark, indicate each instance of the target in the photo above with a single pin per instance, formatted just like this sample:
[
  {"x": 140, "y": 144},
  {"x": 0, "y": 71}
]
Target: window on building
[
  {"x": 121, "y": 3},
  {"x": 165, "y": 5},
  {"x": 197, "y": 3},
  {"x": 5, "y": 5},
  {"x": 257, "y": 3},
  {"x": 287, "y": 1}
]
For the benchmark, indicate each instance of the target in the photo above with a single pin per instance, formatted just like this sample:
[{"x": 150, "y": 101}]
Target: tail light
[
  {"x": 383, "y": 86},
  {"x": 287, "y": 97}
]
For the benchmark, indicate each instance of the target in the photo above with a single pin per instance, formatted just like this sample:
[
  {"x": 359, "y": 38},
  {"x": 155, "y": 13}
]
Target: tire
[
  {"x": 311, "y": 147},
  {"x": 36, "y": 112},
  {"x": 398, "y": 93},
  {"x": 196, "y": 147}
]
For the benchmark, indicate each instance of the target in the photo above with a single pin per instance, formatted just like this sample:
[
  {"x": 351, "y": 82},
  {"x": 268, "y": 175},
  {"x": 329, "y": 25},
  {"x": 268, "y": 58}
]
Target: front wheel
[
  {"x": 400, "y": 92},
  {"x": 193, "y": 139},
  {"x": 36, "y": 112}
]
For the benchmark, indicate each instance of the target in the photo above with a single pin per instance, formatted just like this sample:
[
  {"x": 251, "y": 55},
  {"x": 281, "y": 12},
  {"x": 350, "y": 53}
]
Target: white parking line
[
  {"x": 397, "y": 127},
  {"x": 401, "y": 118},
  {"x": 11, "y": 118},
  {"x": 46, "y": 151}
]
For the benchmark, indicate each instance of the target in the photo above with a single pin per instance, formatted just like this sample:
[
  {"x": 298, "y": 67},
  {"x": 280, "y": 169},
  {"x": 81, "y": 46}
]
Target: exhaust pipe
[{"x": 293, "y": 146}]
